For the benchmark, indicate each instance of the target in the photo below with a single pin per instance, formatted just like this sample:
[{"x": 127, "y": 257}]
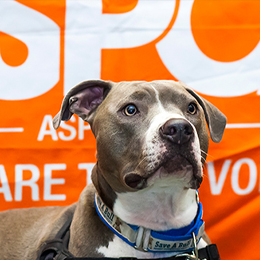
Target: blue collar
[{"x": 143, "y": 239}]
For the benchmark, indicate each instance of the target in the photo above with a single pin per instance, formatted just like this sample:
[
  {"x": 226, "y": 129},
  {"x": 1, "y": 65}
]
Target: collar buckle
[{"x": 142, "y": 239}]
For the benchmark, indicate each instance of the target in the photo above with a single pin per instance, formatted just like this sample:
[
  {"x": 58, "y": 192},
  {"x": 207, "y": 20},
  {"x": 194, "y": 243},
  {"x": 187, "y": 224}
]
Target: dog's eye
[
  {"x": 192, "y": 108},
  {"x": 130, "y": 110}
]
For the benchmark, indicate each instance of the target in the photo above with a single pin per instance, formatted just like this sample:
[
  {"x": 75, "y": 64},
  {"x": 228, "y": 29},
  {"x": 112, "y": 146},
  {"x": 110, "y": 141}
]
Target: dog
[{"x": 152, "y": 142}]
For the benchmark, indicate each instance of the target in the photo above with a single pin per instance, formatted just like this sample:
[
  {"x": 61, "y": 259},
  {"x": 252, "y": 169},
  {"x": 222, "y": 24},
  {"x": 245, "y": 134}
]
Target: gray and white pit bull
[{"x": 152, "y": 143}]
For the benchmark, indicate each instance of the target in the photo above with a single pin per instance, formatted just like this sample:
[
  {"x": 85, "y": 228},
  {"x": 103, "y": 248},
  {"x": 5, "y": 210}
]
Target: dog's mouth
[{"x": 177, "y": 167}]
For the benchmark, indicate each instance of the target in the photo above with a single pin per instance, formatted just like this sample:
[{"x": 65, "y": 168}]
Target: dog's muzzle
[{"x": 178, "y": 154}]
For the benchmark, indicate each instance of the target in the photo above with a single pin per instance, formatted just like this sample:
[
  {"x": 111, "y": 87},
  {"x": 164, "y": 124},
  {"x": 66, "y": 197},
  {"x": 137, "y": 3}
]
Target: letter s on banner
[
  {"x": 42, "y": 37},
  {"x": 183, "y": 58},
  {"x": 88, "y": 29}
]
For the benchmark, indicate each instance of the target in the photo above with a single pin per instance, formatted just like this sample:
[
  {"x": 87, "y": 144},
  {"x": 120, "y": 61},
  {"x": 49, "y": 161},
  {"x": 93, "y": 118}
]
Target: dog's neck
[
  {"x": 103, "y": 188},
  {"x": 164, "y": 205},
  {"x": 158, "y": 207}
]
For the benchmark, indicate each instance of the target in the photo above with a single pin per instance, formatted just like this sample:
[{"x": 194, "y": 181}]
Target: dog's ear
[
  {"x": 82, "y": 100},
  {"x": 215, "y": 119}
]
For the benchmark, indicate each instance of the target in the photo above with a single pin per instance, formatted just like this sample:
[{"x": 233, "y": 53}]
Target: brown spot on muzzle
[{"x": 135, "y": 181}]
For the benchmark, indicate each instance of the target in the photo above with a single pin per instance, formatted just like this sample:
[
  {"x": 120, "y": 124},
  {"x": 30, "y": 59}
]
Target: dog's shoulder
[
  {"x": 26, "y": 229},
  {"x": 88, "y": 232}
]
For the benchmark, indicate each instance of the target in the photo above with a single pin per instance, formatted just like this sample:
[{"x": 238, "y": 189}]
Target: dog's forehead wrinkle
[
  {"x": 138, "y": 95},
  {"x": 172, "y": 94},
  {"x": 142, "y": 90}
]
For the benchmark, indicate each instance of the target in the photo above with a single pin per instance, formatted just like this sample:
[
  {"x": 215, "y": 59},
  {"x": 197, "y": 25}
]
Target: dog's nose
[{"x": 178, "y": 130}]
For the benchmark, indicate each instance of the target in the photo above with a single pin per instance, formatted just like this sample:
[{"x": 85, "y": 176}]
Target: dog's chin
[
  {"x": 189, "y": 172},
  {"x": 179, "y": 169},
  {"x": 195, "y": 183}
]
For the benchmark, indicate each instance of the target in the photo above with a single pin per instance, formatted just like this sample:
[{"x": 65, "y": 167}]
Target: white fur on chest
[{"x": 119, "y": 248}]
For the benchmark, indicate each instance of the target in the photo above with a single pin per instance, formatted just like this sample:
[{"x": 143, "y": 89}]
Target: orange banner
[{"x": 46, "y": 47}]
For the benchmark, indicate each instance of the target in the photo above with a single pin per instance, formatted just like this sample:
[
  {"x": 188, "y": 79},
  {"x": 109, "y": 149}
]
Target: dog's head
[{"x": 145, "y": 131}]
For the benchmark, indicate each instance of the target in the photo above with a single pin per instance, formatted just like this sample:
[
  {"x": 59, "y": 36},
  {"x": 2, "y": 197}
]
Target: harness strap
[
  {"x": 57, "y": 248},
  {"x": 209, "y": 252}
]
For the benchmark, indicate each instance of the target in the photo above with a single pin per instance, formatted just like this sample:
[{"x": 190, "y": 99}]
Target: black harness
[{"x": 57, "y": 249}]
